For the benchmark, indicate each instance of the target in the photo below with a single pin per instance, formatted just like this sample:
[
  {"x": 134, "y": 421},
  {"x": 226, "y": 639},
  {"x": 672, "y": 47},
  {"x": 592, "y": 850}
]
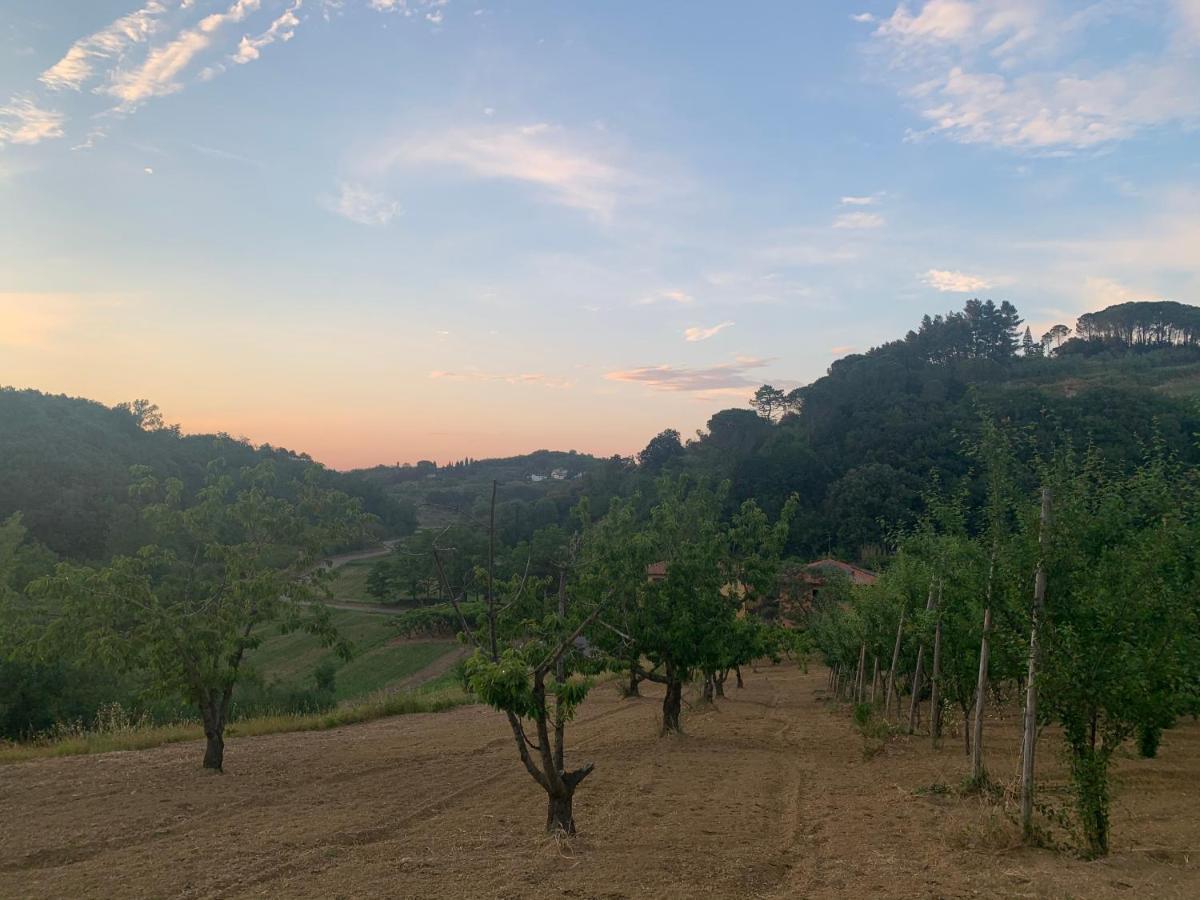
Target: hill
[
  {"x": 860, "y": 445},
  {"x": 442, "y": 494},
  {"x": 66, "y": 464}
]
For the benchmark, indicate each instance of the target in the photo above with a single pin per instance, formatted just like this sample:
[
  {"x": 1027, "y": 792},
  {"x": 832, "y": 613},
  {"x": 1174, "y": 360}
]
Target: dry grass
[{"x": 125, "y": 735}]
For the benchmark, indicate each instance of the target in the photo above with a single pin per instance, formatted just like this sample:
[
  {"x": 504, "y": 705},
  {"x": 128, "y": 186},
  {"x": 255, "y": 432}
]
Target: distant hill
[
  {"x": 64, "y": 465},
  {"x": 441, "y": 494}
]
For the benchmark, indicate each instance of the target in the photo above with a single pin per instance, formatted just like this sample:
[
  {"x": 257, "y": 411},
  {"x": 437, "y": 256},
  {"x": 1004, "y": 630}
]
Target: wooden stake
[
  {"x": 981, "y": 686},
  {"x": 875, "y": 681},
  {"x": 914, "y": 706},
  {"x": 1029, "y": 737},
  {"x": 860, "y": 685},
  {"x": 935, "y": 697},
  {"x": 891, "y": 678}
]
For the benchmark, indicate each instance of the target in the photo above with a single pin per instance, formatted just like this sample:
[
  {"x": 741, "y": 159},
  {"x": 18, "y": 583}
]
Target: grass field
[
  {"x": 350, "y": 581},
  {"x": 379, "y": 661}
]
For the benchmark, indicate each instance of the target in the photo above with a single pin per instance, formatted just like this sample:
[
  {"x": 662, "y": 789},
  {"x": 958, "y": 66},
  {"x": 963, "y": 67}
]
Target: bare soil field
[{"x": 769, "y": 794}]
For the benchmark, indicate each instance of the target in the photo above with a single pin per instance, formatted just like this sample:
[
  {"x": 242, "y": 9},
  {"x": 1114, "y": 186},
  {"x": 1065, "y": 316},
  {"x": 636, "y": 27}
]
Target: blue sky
[{"x": 382, "y": 230}]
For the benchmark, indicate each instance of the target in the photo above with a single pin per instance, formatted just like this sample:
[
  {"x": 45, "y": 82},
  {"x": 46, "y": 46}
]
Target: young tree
[
  {"x": 1121, "y": 620},
  {"x": 226, "y": 563},
  {"x": 530, "y": 661},
  {"x": 678, "y": 622}
]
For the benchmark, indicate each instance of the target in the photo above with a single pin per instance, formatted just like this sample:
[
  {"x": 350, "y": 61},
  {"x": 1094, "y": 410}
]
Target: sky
[{"x": 386, "y": 230}]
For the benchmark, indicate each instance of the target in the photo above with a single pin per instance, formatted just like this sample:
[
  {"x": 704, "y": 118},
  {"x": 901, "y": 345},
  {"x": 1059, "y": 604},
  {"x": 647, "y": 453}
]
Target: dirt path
[
  {"x": 336, "y": 562},
  {"x": 768, "y": 795}
]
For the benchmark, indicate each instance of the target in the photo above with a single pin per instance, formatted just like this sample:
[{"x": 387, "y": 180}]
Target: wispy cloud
[
  {"x": 24, "y": 122},
  {"x": 696, "y": 333},
  {"x": 954, "y": 282},
  {"x": 859, "y": 221},
  {"x": 430, "y": 8},
  {"x": 542, "y": 155},
  {"x": 723, "y": 378},
  {"x": 362, "y": 205},
  {"x": 1041, "y": 77},
  {"x": 282, "y": 29},
  {"x": 534, "y": 378},
  {"x": 670, "y": 295},
  {"x": 158, "y": 75},
  {"x": 860, "y": 201},
  {"x": 78, "y": 65}
]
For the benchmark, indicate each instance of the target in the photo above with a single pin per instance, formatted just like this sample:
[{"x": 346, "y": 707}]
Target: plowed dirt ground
[{"x": 767, "y": 795}]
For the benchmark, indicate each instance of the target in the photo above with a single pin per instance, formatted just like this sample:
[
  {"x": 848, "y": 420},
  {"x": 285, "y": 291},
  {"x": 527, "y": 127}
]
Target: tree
[
  {"x": 147, "y": 415},
  {"x": 1056, "y": 335},
  {"x": 1121, "y": 621},
  {"x": 225, "y": 564},
  {"x": 1030, "y": 347},
  {"x": 529, "y": 660},
  {"x": 663, "y": 449},
  {"x": 769, "y": 402},
  {"x": 677, "y": 621}
]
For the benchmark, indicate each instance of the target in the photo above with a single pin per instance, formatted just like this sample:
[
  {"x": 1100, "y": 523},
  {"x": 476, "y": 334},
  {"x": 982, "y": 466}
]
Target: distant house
[
  {"x": 536, "y": 478},
  {"x": 800, "y": 586},
  {"x": 559, "y": 474},
  {"x": 798, "y": 590}
]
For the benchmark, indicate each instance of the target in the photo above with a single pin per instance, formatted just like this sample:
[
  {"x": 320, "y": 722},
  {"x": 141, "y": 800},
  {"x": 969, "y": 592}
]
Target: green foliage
[
  {"x": 238, "y": 555},
  {"x": 1121, "y": 632}
]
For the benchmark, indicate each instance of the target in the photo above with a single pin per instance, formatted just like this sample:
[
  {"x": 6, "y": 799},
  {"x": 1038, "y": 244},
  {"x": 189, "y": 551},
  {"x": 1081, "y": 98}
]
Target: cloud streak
[
  {"x": 282, "y": 29},
  {"x": 158, "y": 74},
  {"x": 858, "y": 221},
  {"x": 954, "y": 282},
  {"x": 24, "y": 122},
  {"x": 534, "y": 378},
  {"x": 78, "y": 65},
  {"x": 696, "y": 333},
  {"x": 724, "y": 378},
  {"x": 672, "y": 295},
  {"x": 541, "y": 155}
]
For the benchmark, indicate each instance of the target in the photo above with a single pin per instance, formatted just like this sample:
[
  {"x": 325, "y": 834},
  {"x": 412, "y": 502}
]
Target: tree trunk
[
  {"x": 891, "y": 679},
  {"x": 707, "y": 696},
  {"x": 559, "y": 817},
  {"x": 672, "y": 700},
  {"x": 875, "y": 682},
  {"x": 738, "y": 671},
  {"x": 935, "y": 698},
  {"x": 634, "y": 681},
  {"x": 719, "y": 683},
  {"x": 214, "y": 734},
  {"x": 1029, "y": 735}
]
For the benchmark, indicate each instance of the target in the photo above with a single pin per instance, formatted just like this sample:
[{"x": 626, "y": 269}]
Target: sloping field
[
  {"x": 768, "y": 795},
  {"x": 380, "y": 660}
]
